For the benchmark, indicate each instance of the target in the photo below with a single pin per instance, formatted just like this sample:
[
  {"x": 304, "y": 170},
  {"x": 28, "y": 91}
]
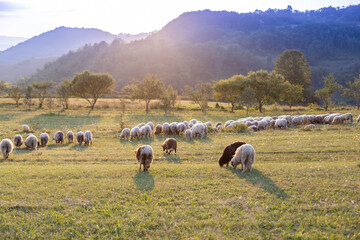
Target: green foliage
[
  {"x": 64, "y": 92},
  {"x": 168, "y": 99},
  {"x": 353, "y": 91},
  {"x": 42, "y": 90},
  {"x": 92, "y": 86},
  {"x": 330, "y": 88},
  {"x": 200, "y": 95},
  {"x": 238, "y": 128},
  {"x": 248, "y": 98},
  {"x": 29, "y": 94},
  {"x": 292, "y": 94},
  {"x": 16, "y": 93}
]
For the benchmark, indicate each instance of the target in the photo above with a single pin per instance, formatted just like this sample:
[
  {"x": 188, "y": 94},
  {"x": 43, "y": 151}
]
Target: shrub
[{"x": 239, "y": 128}]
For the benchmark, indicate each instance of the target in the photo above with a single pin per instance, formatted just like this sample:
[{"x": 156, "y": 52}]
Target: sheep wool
[
  {"x": 125, "y": 134},
  {"x": 144, "y": 156},
  {"x": 70, "y": 136},
  {"x": 244, "y": 155},
  {"x": 80, "y": 137},
  {"x": 44, "y": 139},
  {"x": 169, "y": 145},
  {"x": 88, "y": 138},
  {"x": 18, "y": 141},
  {"x": 31, "y": 142},
  {"x": 6, "y": 147}
]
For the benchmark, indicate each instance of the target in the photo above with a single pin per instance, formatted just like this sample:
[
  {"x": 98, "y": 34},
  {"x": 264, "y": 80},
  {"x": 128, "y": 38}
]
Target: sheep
[
  {"x": 181, "y": 127},
  {"x": 280, "y": 123},
  {"x": 218, "y": 124},
  {"x": 151, "y": 125},
  {"x": 26, "y": 128},
  {"x": 173, "y": 128},
  {"x": 158, "y": 129},
  {"x": 125, "y": 134},
  {"x": 288, "y": 119},
  {"x": 170, "y": 144},
  {"x": 348, "y": 117},
  {"x": 198, "y": 129},
  {"x": 141, "y": 125},
  {"x": 227, "y": 123},
  {"x": 262, "y": 125},
  {"x": 310, "y": 126},
  {"x": 328, "y": 119},
  {"x": 145, "y": 156},
  {"x": 135, "y": 133},
  {"x": 252, "y": 128},
  {"x": 193, "y": 121},
  {"x": 166, "y": 128},
  {"x": 31, "y": 142},
  {"x": 88, "y": 138},
  {"x": 338, "y": 120},
  {"x": 358, "y": 119},
  {"x": 145, "y": 131},
  {"x": 188, "y": 134},
  {"x": 298, "y": 120},
  {"x": 209, "y": 124},
  {"x": 186, "y": 124},
  {"x": 70, "y": 136},
  {"x": 80, "y": 137},
  {"x": 228, "y": 152},
  {"x": 244, "y": 155},
  {"x": 44, "y": 139},
  {"x": 219, "y": 127},
  {"x": 18, "y": 141},
  {"x": 6, "y": 147},
  {"x": 272, "y": 124},
  {"x": 59, "y": 137}
]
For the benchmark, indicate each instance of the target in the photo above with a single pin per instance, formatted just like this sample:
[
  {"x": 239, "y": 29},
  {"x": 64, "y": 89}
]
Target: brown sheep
[
  {"x": 170, "y": 144},
  {"x": 145, "y": 156},
  {"x": 228, "y": 153}
]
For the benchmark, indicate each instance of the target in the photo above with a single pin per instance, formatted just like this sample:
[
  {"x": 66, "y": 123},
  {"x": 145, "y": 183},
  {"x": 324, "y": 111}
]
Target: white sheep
[
  {"x": 26, "y": 128},
  {"x": 80, "y": 137},
  {"x": 209, "y": 124},
  {"x": 310, "y": 126},
  {"x": 145, "y": 156},
  {"x": 262, "y": 125},
  {"x": 135, "y": 133},
  {"x": 328, "y": 119},
  {"x": 141, "y": 125},
  {"x": 70, "y": 136},
  {"x": 6, "y": 147},
  {"x": 166, "y": 128},
  {"x": 125, "y": 134},
  {"x": 348, "y": 117},
  {"x": 280, "y": 123},
  {"x": 151, "y": 125},
  {"x": 188, "y": 134},
  {"x": 181, "y": 127},
  {"x": 186, "y": 124},
  {"x": 44, "y": 139},
  {"x": 252, "y": 128},
  {"x": 272, "y": 123},
  {"x": 31, "y": 142},
  {"x": 145, "y": 131},
  {"x": 244, "y": 155},
  {"x": 173, "y": 128},
  {"x": 193, "y": 121},
  {"x": 18, "y": 141},
  {"x": 298, "y": 120},
  {"x": 59, "y": 137},
  {"x": 88, "y": 138},
  {"x": 198, "y": 129},
  {"x": 338, "y": 119}
]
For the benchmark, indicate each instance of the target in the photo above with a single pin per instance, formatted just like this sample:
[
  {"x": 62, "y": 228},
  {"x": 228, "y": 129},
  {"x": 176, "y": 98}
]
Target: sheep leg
[{"x": 242, "y": 168}]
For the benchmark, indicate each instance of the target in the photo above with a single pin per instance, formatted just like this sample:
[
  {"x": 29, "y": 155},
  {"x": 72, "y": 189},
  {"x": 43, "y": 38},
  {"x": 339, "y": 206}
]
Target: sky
[{"x": 28, "y": 18}]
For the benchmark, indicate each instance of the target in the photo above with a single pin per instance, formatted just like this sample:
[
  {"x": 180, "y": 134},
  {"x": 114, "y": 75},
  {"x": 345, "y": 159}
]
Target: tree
[
  {"x": 292, "y": 94},
  {"x": 353, "y": 91},
  {"x": 168, "y": 99},
  {"x": 63, "y": 91},
  {"x": 42, "y": 89},
  {"x": 150, "y": 88},
  {"x": 16, "y": 93},
  {"x": 295, "y": 69},
  {"x": 200, "y": 94},
  {"x": 92, "y": 86},
  {"x": 4, "y": 86},
  {"x": 229, "y": 90},
  {"x": 247, "y": 98},
  {"x": 28, "y": 96},
  {"x": 330, "y": 87}
]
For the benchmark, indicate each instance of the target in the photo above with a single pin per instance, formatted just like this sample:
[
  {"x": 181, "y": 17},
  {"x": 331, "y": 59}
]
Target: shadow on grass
[
  {"x": 53, "y": 146},
  {"x": 25, "y": 209},
  {"x": 144, "y": 181},
  {"x": 78, "y": 148},
  {"x": 22, "y": 151},
  {"x": 257, "y": 178},
  {"x": 141, "y": 141},
  {"x": 171, "y": 158}
]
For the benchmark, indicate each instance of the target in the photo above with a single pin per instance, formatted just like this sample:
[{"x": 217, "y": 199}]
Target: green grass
[{"x": 304, "y": 184}]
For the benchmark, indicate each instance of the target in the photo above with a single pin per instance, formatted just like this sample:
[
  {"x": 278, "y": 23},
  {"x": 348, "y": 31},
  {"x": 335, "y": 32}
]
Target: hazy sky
[{"x": 26, "y": 18}]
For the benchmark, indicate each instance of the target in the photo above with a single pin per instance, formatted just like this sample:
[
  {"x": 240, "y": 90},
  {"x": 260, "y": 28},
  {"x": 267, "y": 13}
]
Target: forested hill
[{"x": 207, "y": 45}]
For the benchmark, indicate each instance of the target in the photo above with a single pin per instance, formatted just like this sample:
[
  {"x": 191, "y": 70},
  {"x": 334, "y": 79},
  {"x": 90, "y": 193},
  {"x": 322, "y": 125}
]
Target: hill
[
  {"x": 6, "y": 41},
  {"x": 207, "y": 46}
]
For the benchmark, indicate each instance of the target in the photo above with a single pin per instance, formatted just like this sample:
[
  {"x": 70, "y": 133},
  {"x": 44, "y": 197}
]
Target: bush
[
  {"x": 217, "y": 105},
  {"x": 313, "y": 106},
  {"x": 238, "y": 128}
]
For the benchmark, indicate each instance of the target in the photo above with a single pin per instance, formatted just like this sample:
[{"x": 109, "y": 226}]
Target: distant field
[{"x": 304, "y": 184}]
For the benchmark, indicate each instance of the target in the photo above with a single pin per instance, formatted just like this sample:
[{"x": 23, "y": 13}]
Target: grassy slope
[{"x": 305, "y": 184}]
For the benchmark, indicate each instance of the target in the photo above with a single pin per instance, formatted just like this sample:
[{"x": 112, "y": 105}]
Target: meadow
[{"x": 304, "y": 184}]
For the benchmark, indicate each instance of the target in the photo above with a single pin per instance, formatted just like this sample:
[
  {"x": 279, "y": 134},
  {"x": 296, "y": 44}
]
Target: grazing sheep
[
  {"x": 228, "y": 152},
  {"x": 218, "y": 124},
  {"x": 145, "y": 156},
  {"x": 141, "y": 125},
  {"x": 170, "y": 144},
  {"x": 262, "y": 125},
  {"x": 6, "y": 147},
  {"x": 219, "y": 127},
  {"x": 18, "y": 141},
  {"x": 358, "y": 119},
  {"x": 181, "y": 127},
  {"x": 158, "y": 129},
  {"x": 186, "y": 124},
  {"x": 166, "y": 128},
  {"x": 173, "y": 128},
  {"x": 151, "y": 125},
  {"x": 145, "y": 131},
  {"x": 135, "y": 133},
  {"x": 338, "y": 119},
  {"x": 31, "y": 142},
  {"x": 88, "y": 138},
  {"x": 328, "y": 119},
  {"x": 299, "y": 120},
  {"x": 198, "y": 129},
  {"x": 70, "y": 136},
  {"x": 59, "y": 137},
  {"x": 125, "y": 134},
  {"x": 209, "y": 124},
  {"x": 280, "y": 123},
  {"x": 193, "y": 121},
  {"x": 44, "y": 139},
  {"x": 188, "y": 134},
  {"x": 227, "y": 123},
  {"x": 310, "y": 126},
  {"x": 80, "y": 137},
  {"x": 244, "y": 155},
  {"x": 348, "y": 117},
  {"x": 272, "y": 124},
  {"x": 252, "y": 128},
  {"x": 26, "y": 128}
]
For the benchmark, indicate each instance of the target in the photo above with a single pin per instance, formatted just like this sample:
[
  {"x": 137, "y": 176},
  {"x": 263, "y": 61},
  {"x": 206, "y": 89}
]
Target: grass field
[{"x": 304, "y": 184}]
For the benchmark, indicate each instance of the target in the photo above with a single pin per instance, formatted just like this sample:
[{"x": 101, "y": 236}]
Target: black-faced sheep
[
  {"x": 145, "y": 131},
  {"x": 70, "y": 136},
  {"x": 44, "y": 139},
  {"x": 170, "y": 144},
  {"x": 6, "y": 147},
  {"x": 135, "y": 133},
  {"x": 88, "y": 138},
  {"x": 18, "y": 141},
  {"x": 280, "y": 123},
  {"x": 80, "y": 137},
  {"x": 244, "y": 155},
  {"x": 125, "y": 134},
  {"x": 188, "y": 134},
  {"x": 31, "y": 142},
  {"x": 59, "y": 137},
  {"x": 228, "y": 152},
  {"x": 158, "y": 129},
  {"x": 145, "y": 156}
]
